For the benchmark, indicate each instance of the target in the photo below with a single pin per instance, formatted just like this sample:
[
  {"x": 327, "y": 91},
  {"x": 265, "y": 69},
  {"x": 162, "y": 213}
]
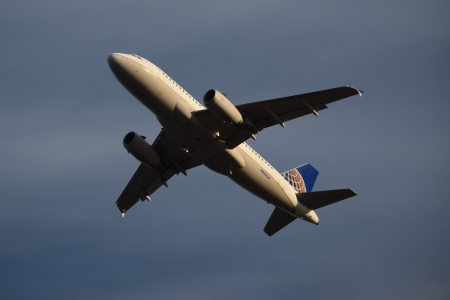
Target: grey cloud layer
[{"x": 63, "y": 118}]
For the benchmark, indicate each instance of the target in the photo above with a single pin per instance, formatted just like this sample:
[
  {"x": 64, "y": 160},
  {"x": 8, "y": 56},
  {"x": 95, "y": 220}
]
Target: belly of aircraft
[
  {"x": 207, "y": 149},
  {"x": 257, "y": 181}
]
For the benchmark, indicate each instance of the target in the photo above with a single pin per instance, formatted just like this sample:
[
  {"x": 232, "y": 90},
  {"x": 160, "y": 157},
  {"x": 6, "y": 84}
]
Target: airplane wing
[
  {"x": 288, "y": 108},
  {"x": 146, "y": 181},
  {"x": 263, "y": 114}
]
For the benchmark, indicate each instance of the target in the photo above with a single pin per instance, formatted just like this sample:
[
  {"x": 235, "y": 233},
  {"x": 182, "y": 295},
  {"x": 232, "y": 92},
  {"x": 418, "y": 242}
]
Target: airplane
[{"x": 214, "y": 135}]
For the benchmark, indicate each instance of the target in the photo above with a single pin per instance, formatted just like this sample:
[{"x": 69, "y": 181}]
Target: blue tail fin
[{"x": 301, "y": 178}]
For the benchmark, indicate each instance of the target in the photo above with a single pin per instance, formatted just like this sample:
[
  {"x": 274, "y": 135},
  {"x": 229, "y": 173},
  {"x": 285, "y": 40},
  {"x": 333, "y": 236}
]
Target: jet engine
[
  {"x": 222, "y": 108},
  {"x": 142, "y": 151}
]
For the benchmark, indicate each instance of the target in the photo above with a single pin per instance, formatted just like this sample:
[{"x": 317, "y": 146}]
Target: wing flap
[
  {"x": 278, "y": 220},
  {"x": 316, "y": 200}
]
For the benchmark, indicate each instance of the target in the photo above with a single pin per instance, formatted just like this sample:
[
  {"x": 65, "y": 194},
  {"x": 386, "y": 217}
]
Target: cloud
[{"x": 64, "y": 115}]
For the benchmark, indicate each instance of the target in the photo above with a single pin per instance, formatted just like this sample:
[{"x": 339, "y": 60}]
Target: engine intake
[
  {"x": 142, "y": 151},
  {"x": 222, "y": 108}
]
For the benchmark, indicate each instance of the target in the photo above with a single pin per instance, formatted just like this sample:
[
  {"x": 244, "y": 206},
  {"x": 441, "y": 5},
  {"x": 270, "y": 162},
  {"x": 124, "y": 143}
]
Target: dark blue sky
[{"x": 63, "y": 116}]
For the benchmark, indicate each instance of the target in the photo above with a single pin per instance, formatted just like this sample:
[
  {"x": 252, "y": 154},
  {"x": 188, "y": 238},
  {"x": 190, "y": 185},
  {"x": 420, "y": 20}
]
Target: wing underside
[
  {"x": 146, "y": 181},
  {"x": 288, "y": 108},
  {"x": 263, "y": 114}
]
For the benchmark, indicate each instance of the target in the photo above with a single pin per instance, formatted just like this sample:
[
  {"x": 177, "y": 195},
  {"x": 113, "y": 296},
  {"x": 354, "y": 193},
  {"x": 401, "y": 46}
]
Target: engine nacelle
[
  {"x": 142, "y": 151},
  {"x": 222, "y": 108}
]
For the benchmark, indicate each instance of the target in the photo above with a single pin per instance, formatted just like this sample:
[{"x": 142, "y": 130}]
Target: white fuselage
[{"x": 173, "y": 107}]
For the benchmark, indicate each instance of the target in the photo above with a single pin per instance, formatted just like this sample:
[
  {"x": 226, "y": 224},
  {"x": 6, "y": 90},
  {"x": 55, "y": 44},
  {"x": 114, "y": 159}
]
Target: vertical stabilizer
[{"x": 301, "y": 178}]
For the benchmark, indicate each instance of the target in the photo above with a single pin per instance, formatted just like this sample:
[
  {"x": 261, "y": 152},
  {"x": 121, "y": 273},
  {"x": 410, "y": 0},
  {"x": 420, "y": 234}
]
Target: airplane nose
[{"x": 114, "y": 60}]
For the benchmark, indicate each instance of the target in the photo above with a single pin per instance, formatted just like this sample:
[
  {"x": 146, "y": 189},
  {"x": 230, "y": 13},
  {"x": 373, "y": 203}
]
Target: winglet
[{"x": 360, "y": 92}]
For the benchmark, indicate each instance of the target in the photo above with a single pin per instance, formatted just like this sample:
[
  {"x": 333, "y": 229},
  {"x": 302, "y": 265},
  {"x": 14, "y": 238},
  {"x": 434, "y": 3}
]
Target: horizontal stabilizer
[
  {"x": 315, "y": 200},
  {"x": 278, "y": 220}
]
